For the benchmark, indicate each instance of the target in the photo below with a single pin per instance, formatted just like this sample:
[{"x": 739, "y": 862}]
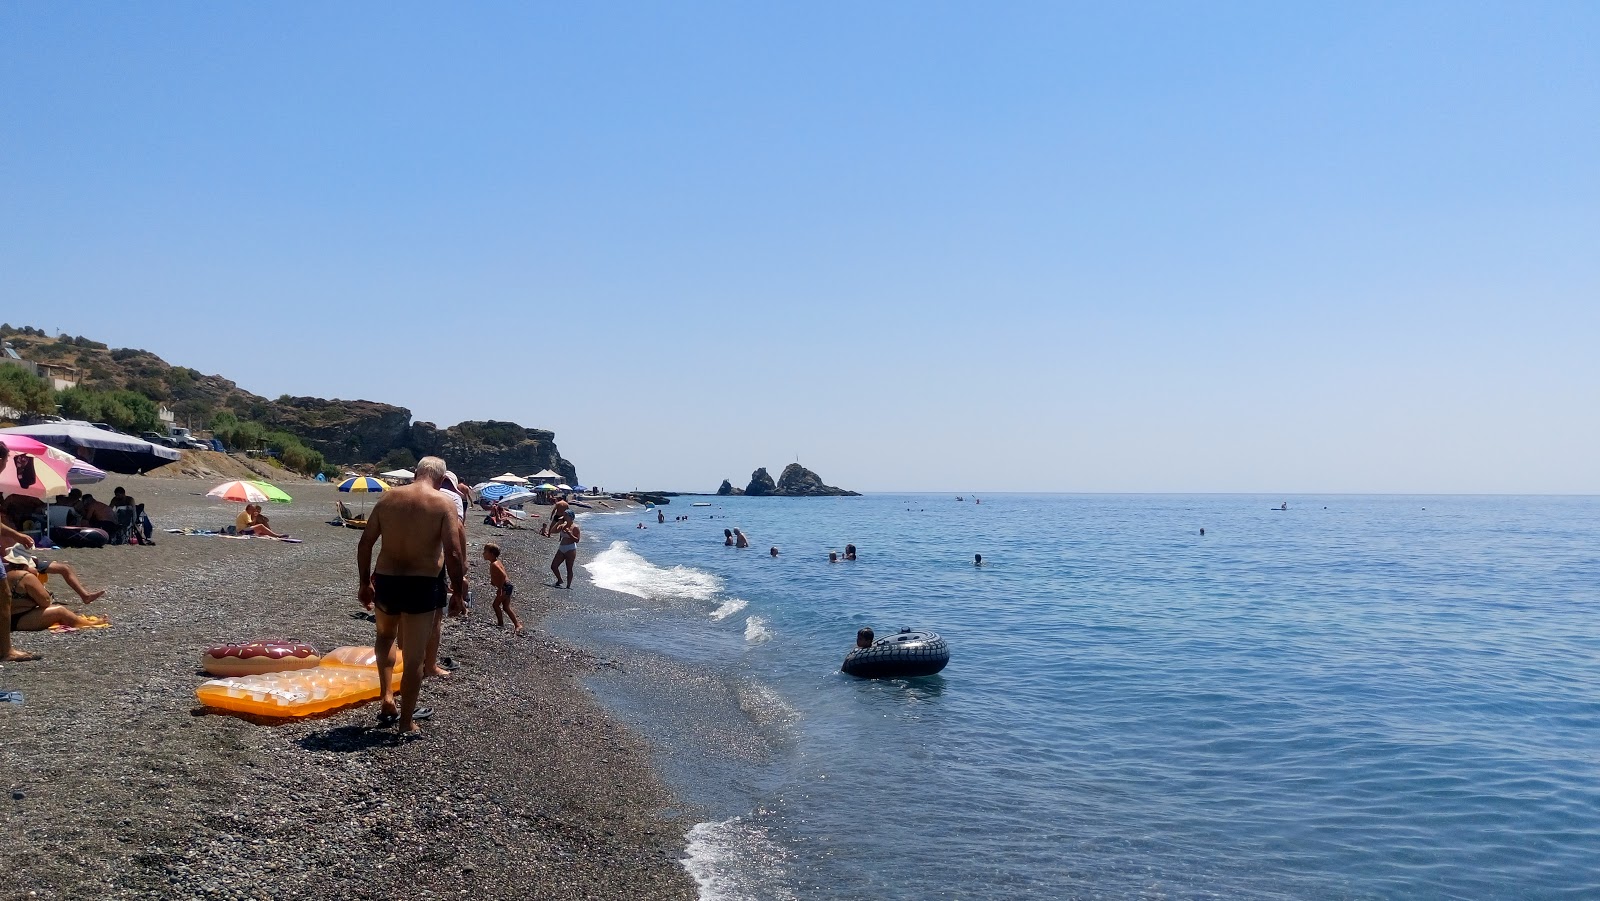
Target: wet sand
[{"x": 119, "y": 785}]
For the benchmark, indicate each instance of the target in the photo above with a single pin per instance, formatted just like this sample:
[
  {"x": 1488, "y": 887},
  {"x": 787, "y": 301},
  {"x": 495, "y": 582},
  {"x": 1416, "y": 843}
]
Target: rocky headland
[
  {"x": 795, "y": 481},
  {"x": 345, "y": 432}
]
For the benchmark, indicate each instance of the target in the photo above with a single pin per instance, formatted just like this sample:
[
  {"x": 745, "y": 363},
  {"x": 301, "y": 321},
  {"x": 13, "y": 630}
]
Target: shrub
[{"x": 24, "y": 391}]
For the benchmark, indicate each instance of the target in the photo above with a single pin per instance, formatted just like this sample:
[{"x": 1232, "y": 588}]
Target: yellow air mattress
[{"x": 346, "y": 676}]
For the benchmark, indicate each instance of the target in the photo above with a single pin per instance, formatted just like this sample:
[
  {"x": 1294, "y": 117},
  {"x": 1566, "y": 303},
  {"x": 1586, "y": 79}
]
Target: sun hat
[{"x": 17, "y": 556}]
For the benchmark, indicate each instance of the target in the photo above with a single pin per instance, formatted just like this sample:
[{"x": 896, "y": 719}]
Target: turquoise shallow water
[{"x": 1360, "y": 697}]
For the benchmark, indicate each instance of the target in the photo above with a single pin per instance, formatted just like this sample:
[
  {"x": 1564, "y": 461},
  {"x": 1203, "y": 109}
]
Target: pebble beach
[{"x": 119, "y": 784}]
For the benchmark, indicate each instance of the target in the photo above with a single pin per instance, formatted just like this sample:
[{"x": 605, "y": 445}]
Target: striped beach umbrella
[
  {"x": 363, "y": 484},
  {"x": 251, "y": 492},
  {"x": 49, "y": 473}
]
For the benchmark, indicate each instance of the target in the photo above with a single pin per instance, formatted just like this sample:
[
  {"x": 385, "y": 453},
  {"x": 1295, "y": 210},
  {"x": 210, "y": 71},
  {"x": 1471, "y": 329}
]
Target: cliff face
[
  {"x": 796, "y": 481},
  {"x": 726, "y": 489},
  {"x": 345, "y": 431},
  {"x": 482, "y": 450}
]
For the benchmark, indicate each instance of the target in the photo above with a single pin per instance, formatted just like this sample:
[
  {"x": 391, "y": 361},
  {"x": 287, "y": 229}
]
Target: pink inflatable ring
[{"x": 258, "y": 657}]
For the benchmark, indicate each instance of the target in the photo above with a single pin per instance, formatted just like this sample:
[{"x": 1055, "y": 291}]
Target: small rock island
[{"x": 796, "y": 481}]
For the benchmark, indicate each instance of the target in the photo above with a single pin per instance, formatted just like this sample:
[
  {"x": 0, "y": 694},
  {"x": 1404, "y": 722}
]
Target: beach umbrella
[
  {"x": 546, "y": 487},
  {"x": 564, "y": 486},
  {"x": 497, "y": 490},
  {"x": 78, "y": 472},
  {"x": 520, "y": 496},
  {"x": 363, "y": 485},
  {"x": 398, "y": 475},
  {"x": 509, "y": 479},
  {"x": 50, "y": 476},
  {"x": 252, "y": 492}
]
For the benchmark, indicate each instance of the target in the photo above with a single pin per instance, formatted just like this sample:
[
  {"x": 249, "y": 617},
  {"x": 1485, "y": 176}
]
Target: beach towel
[
  {"x": 60, "y": 628},
  {"x": 207, "y": 533}
]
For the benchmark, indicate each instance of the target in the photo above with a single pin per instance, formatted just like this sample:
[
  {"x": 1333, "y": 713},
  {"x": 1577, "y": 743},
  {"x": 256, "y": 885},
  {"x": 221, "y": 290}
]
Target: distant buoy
[{"x": 905, "y": 655}]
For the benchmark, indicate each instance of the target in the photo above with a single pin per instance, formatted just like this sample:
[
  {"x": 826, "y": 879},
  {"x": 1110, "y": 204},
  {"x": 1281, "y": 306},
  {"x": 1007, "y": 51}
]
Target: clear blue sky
[{"x": 1265, "y": 247}]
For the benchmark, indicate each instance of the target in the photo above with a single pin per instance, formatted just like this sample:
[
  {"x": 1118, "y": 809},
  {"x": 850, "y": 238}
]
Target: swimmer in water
[
  {"x": 833, "y": 557},
  {"x": 727, "y": 538},
  {"x": 864, "y": 637},
  {"x": 849, "y": 552},
  {"x": 977, "y": 559},
  {"x": 774, "y": 551}
]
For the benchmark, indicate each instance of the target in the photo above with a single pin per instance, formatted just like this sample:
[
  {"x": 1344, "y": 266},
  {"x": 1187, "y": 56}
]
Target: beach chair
[{"x": 350, "y": 520}]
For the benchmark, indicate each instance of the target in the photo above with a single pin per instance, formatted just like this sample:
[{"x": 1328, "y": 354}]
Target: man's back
[{"x": 412, "y": 522}]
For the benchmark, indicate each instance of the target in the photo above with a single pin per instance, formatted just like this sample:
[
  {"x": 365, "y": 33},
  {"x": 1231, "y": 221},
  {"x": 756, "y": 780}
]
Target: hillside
[{"x": 344, "y": 431}]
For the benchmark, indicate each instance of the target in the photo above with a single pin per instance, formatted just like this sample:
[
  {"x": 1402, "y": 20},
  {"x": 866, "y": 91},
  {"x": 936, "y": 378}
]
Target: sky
[{"x": 1152, "y": 247}]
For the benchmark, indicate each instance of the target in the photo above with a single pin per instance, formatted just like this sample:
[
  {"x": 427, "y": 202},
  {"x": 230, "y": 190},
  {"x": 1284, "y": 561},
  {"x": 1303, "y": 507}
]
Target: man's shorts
[{"x": 396, "y": 595}]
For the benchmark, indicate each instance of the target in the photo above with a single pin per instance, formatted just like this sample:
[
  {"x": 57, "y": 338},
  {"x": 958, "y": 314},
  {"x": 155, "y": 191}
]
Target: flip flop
[
  {"x": 386, "y": 718},
  {"x": 422, "y": 713}
]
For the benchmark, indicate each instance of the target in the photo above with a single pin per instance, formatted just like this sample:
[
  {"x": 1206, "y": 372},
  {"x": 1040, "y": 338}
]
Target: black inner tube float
[{"x": 905, "y": 655}]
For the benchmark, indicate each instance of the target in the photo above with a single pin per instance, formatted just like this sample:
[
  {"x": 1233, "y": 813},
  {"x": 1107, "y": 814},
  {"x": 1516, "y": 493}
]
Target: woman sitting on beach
[{"x": 32, "y": 608}]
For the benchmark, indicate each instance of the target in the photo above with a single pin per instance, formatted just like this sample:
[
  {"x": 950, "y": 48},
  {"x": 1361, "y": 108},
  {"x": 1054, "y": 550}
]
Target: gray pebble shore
[{"x": 120, "y": 785}]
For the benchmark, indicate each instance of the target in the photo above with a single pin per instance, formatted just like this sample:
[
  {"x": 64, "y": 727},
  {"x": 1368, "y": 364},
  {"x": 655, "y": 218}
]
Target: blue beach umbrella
[
  {"x": 363, "y": 485},
  {"x": 498, "y": 490}
]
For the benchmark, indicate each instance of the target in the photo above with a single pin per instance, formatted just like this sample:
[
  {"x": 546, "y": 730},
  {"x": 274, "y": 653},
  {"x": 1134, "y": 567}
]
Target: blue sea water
[{"x": 1359, "y": 697}]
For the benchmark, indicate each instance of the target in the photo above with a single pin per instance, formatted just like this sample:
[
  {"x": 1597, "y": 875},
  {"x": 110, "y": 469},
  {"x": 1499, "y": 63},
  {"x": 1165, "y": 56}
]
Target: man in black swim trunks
[{"x": 422, "y": 543}]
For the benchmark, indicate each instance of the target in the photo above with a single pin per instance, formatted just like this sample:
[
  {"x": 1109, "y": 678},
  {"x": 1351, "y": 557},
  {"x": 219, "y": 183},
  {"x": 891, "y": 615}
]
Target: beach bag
[{"x": 75, "y": 536}]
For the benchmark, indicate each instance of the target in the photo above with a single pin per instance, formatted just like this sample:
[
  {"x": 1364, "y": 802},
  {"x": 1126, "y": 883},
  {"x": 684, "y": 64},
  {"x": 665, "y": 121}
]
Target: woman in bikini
[
  {"x": 567, "y": 552},
  {"x": 32, "y": 607}
]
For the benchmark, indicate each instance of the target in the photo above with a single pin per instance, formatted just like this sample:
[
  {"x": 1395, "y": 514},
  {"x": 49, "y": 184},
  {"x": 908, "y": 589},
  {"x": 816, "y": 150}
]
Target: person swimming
[
  {"x": 849, "y": 552},
  {"x": 977, "y": 559},
  {"x": 864, "y": 637}
]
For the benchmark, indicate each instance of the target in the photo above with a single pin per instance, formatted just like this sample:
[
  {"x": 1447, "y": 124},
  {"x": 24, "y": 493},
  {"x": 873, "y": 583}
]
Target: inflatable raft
[
  {"x": 345, "y": 676},
  {"x": 904, "y": 655}
]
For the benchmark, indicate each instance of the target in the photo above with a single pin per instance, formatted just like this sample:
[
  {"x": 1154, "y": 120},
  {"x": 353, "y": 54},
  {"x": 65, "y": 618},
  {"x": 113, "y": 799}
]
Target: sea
[{"x": 1353, "y": 697}]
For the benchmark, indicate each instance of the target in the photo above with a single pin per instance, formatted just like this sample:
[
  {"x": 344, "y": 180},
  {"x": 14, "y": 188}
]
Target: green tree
[
  {"x": 131, "y": 411},
  {"x": 399, "y": 458},
  {"x": 80, "y": 403},
  {"x": 25, "y": 392}
]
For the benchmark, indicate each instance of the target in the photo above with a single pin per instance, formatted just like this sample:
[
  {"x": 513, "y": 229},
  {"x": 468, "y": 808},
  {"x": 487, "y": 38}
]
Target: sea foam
[
  {"x": 618, "y": 568},
  {"x": 735, "y": 860},
  {"x": 756, "y": 629},
  {"x": 729, "y": 608}
]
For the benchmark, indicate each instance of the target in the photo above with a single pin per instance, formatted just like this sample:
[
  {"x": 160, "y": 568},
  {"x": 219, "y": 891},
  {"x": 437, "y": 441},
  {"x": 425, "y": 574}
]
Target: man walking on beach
[{"x": 422, "y": 542}]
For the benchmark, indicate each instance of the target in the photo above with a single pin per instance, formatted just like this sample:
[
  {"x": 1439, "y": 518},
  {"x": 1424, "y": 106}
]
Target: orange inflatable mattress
[{"x": 346, "y": 676}]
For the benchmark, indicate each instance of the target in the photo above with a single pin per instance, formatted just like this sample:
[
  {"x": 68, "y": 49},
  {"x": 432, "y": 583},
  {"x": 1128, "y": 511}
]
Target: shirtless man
[
  {"x": 567, "y": 552},
  {"x": 422, "y": 541},
  {"x": 556, "y": 516}
]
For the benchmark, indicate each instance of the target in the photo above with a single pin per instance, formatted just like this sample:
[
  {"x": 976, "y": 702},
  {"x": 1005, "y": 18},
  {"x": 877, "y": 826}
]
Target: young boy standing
[{"x": 502, "y": 587}]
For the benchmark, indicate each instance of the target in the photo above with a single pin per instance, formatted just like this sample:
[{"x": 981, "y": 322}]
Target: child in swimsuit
[{"x": 502, "y": 587}]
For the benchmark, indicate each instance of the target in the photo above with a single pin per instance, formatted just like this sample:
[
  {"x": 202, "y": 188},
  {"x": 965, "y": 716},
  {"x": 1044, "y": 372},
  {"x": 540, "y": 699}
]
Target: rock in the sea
[
  {"x": 726, "y": 489},
  {"x": 796, "y": 481},
  {"x": 761, "y": 484}
]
